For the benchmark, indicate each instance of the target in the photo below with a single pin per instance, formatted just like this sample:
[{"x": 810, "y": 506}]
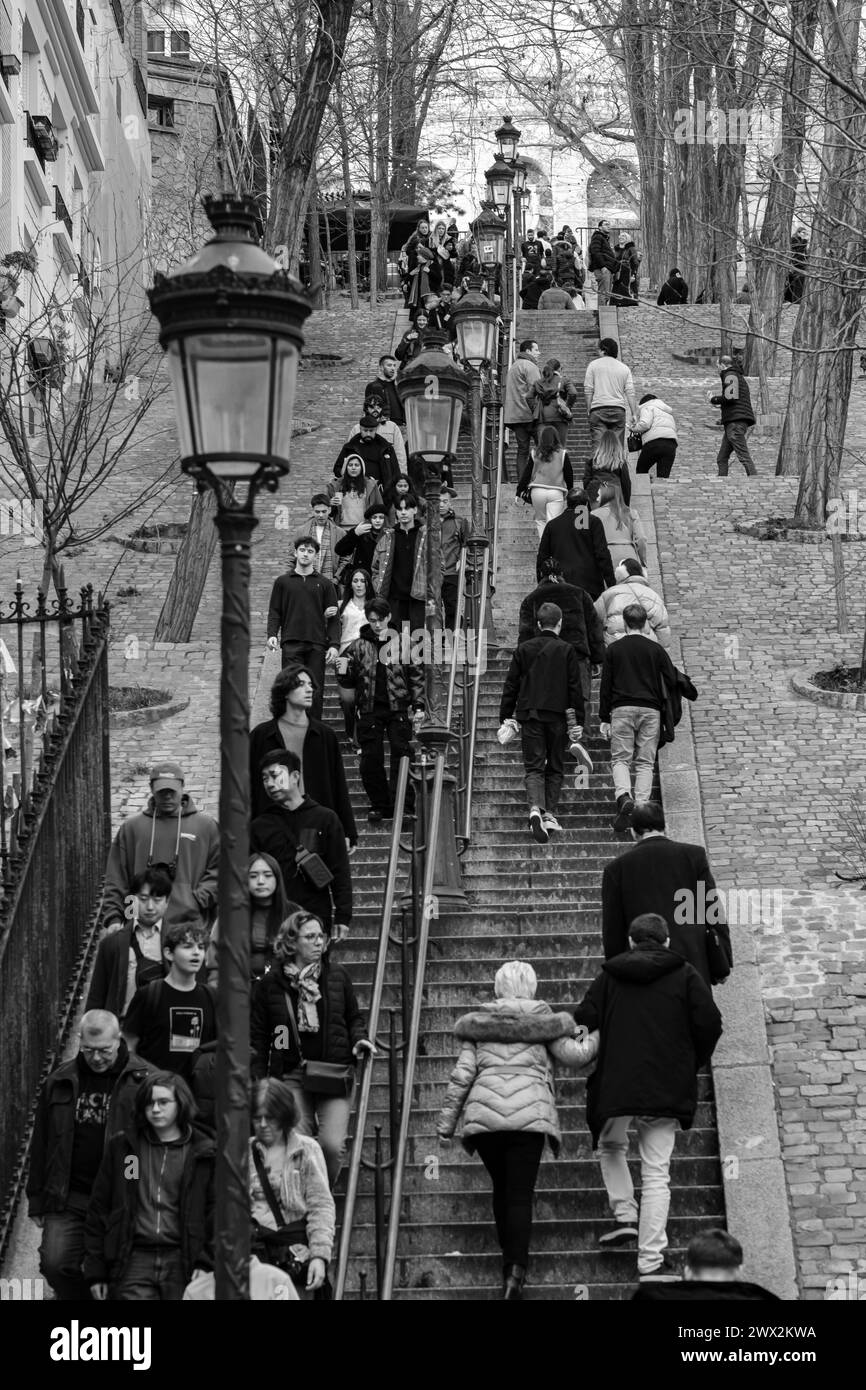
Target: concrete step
[
  {"x": 573, "y": 1240},
  {"x": 572, "y": 1116}
]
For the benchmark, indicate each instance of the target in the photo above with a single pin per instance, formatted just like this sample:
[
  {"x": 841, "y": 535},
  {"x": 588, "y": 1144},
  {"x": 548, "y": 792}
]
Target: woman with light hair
[
  {"x": 623, "y": 529},
  {"x": 503, "y": 1085},
  {"x": 609, "y": 464}
]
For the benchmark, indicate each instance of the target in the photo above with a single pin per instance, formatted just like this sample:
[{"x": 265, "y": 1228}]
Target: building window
[
  {"x": 180, "y": 42},
  {"x": 156, "y": 40},
  {"x": 160, "y": 112}
]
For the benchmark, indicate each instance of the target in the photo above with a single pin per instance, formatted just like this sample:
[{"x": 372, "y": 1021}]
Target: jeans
[
  {"x": 512, "y": 1158},
  {"x": 152, "y": 1275},
  {"x": 734, "y": 442},
  {"x": 660, "y": 452},
  {"x": 602, "y": 280},
  {"x": 371, "y": 731},
  {"x": 524, "y": 434},
  {"x": 543, "y": 744},
  {"x": 450, "y": 583},
  {"x": 325, "y": 1118},
  {"x": 634, "y": 734},
  {"x": 603, "y": 418},
  {"x": 547, "y": 502},
  {"x": 656, "y": 1138},
  {"x": 62, "y": 1250},
  {"x": 312, "y": 655}
]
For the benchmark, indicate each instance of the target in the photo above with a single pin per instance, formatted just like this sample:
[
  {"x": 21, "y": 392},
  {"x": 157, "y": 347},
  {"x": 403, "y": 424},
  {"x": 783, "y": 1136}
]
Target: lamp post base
[{"x": 447, "y": 884}]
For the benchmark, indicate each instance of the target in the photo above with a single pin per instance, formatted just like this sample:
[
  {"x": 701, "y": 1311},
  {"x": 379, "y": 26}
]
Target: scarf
[{"x": 305, "y": 982}]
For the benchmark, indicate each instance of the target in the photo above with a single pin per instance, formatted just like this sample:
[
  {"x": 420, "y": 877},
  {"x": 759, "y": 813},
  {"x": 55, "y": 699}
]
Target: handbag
[
  {"x": 286, "y": 1247},
  {"x": 321, "y": 1078},
  {"x": 634, "y": 442},
  {"x": 717, "y": 958},
  {"x": 313, "y": 867},
  {"x": 563, "y": 410}
]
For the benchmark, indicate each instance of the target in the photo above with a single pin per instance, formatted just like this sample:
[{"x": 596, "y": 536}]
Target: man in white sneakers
[{"x": 543, "y": 691}]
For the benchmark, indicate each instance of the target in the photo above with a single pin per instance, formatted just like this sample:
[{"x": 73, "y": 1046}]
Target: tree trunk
[
  {"x": 767, "y": 277},
  {"x": 814, "y": 431},
  {"x": 381, "y": 197},
  {"x": 186, "y": 586},
  {"x": 349, "y": 196},
  {"x": 314, "y": 244},
  {"x": 639, "y": 62},
  {"x": 298, "y": 146}
]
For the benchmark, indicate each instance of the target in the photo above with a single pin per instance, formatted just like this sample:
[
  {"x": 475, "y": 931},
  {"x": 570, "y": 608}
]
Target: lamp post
[
  {"x": 230, "y": 324},
  {"x": 433, "y": 392},
  {"x": 499, "y": 178},
  {"x": 475, "y": 321},
  {"x": 519, "y": 195},
  {"x": 508, "y": 138}
]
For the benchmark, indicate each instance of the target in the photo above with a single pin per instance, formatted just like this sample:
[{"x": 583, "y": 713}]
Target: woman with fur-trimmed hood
[{"x": 503, "y": 1084}]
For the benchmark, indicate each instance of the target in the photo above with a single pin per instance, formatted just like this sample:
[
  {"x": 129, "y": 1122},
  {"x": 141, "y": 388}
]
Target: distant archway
[{"x": 540, "y": 209}]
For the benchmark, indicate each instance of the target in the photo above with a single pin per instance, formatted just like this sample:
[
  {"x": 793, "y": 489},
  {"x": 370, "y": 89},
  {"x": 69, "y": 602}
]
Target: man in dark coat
[
  {"x": 82, "y": 1105},
  {"x": 577, "y": 540},
  {"x": 581, "y": 625},
  {"x": 384, "y": 385},
  {"x": 293, "y": 824},
  {"x": 302, "y": 618},
  {"x": 379, "y": 461},
  {"x": 658, "y": 1026},
  {"x": 602, "y": 260},
  {"x": 668, "y": 878},
  {"x": 674, "y": 290},
  {"x": 737, "y": 417},
  {"x": 542, "y": 691},
  {"x": 323, "y": 776}
]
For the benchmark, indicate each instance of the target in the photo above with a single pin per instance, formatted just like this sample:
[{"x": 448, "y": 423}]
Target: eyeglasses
[
  {"x": 99, "y": 1051},
  {"x": 312, "y": 940}
]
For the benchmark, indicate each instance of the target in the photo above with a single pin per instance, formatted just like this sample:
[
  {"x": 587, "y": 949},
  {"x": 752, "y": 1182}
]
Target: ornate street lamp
[
  {"x": 434, "y": 391},
  {"x": 499, "y": 178},
  {"x": 475, "y": 321},
  {"x": 488, "y": 230},
  {"x": 508, "y": 138},
  {"x": 230, "y": 323},
  {"x": 520, "y": 168}
]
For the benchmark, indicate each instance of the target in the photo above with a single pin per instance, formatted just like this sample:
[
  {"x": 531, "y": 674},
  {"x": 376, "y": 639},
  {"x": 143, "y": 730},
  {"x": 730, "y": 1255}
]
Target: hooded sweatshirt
[
  {"x": 190, "y": 840},
  {"x": 354, "y": 504},
  {"x": 673, "y": 291},
  {"x": 660, "y": 418},
  {"x": 659, "y": 1026}
]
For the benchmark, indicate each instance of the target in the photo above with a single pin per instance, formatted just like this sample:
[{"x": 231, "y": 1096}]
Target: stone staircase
[{"x": 541, "y": 903}]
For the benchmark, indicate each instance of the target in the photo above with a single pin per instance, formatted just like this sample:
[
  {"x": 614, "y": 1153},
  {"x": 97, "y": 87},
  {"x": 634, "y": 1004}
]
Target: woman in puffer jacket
[
  {"x": 632, "y": 587},
  {"x": 658, "y": 430},
  {"x": 503, "y": 1084}
]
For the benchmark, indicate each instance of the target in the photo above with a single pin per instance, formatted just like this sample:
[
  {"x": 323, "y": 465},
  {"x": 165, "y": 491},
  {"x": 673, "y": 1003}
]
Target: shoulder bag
[
  {"x": 634, "y": 442},
  {"x": 717, "y": 959},
  {"x": 321, "y": 1078},
  {"x": 286, "y": 1247}
]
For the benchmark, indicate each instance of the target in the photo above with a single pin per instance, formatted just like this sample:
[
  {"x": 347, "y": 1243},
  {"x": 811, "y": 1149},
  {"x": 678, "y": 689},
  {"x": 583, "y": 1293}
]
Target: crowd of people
[{"x": 139, "y": 1095}]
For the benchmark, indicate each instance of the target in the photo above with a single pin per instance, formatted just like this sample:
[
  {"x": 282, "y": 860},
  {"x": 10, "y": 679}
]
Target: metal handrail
[
  {"x": 410, "y": 1054},
  {"x": 363, "y": 1105},
  {"x": 465, "y": 831}
]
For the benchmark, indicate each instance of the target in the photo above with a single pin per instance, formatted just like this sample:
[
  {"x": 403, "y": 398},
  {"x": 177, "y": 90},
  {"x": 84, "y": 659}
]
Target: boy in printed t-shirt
[{"x": 170, "y": 1019}]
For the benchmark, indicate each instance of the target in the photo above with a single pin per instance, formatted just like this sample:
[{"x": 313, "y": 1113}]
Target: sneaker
[
  {"x": 624, "y": 808},
  {"x": 665, "y": 1273},
  {"x": 621, "y": 1234},
  {"x": 549, "y": 822},
  {"x": 375, "y": 815},
  {"x": 536, "y": 825},
  {"x": 578, "y": 751}
]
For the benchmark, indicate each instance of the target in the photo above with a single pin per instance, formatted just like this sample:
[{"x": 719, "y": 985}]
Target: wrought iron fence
[{"x": 55, "y": 832}]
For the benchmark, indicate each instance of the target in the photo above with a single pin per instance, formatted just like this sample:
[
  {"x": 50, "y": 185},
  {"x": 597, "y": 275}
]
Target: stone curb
[
  {"x": 801, "y": 684},
  {"x": 753, "y": 1177}
]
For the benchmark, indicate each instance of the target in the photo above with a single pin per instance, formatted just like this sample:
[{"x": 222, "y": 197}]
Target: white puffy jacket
[
  {"x": 609, "y": 607},
  {"x": 660, "y": 419}
]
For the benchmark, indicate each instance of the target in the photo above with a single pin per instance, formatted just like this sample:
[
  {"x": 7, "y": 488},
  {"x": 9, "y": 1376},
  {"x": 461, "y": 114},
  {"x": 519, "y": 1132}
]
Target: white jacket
[
  {"x": 609, "y": 607},
  {"x": 660, "y": 419}
]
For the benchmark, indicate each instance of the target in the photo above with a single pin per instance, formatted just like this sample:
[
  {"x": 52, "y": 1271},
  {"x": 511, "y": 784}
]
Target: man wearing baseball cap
[
  {"x": 172, "y": 833},
  {"x": 379, "y": 461}
]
